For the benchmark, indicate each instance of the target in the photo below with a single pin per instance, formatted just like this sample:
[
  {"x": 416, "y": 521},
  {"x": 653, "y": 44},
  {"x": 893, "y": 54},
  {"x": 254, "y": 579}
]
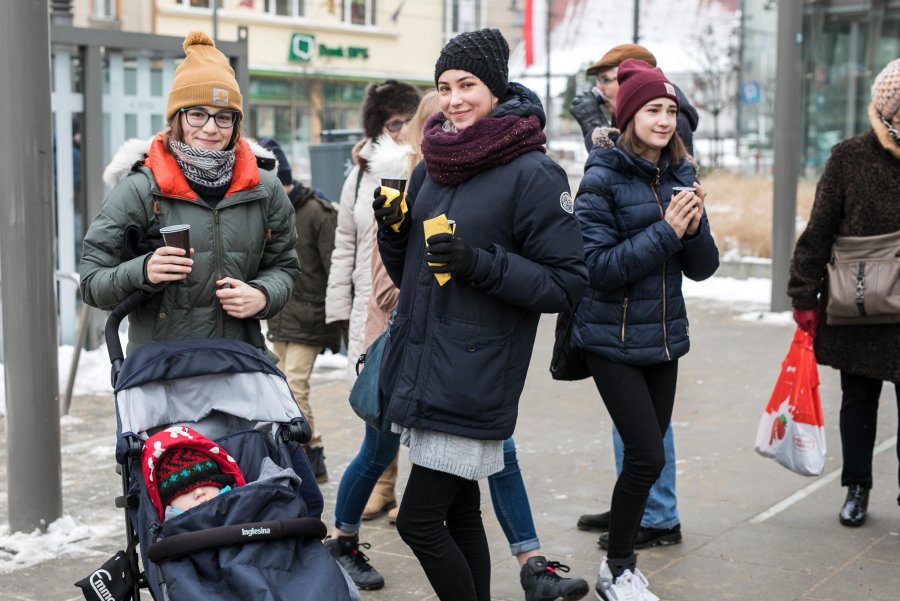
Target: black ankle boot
[
  {"x": 316, "y": 456},
  {"x": 853, "y": 513}
]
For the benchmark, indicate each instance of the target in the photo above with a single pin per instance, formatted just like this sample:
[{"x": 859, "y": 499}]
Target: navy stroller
[{"x": 255, "y": 542}]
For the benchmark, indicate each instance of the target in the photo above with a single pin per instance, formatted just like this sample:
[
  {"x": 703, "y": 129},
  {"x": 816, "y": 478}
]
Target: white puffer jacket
[{"x": 350, "y": 279}]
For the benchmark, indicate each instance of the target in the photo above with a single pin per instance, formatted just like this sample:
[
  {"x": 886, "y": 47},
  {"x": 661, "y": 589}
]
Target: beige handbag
[{"x": 864, "y": 280}]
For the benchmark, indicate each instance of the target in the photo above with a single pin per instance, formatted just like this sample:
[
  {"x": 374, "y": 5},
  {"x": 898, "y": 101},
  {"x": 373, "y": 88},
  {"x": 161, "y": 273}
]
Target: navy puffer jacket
[
  {"x": 634, "y": 312},
  {"x": 458, "y": 354}
]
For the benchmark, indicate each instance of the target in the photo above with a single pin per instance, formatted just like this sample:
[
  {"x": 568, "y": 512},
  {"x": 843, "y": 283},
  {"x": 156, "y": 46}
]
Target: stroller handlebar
[
  {"x": 188, "y": 543},
  {"x": 111, "y": 331}
]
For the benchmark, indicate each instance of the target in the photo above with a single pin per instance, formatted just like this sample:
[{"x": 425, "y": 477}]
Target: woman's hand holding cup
[
  {"x": 688, "y": 205},
  {"x": 168, "y": 264}
]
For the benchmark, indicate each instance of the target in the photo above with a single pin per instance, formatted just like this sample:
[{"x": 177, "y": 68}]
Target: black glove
[
  {"x": 586, "y": 110},
  {"x": 137, "y": 242},
  {"x": 386, "y": 216},
  {"x": 455, "y": 256}
]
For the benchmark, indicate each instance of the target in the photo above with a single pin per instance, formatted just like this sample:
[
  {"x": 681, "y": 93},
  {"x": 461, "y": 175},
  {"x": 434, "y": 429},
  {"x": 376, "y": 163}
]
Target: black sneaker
[
  {"x": 316, "y": 456},
  {"x": 541, "y": 582},
  {"x": 649, "y": 537},
  {"x": 345, "y": 549},
  {"x": 594, "y": 522}
]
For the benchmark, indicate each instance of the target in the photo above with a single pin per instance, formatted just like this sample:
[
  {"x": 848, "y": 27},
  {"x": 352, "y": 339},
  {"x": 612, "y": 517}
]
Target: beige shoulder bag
[{"x": 864, "y": 280}]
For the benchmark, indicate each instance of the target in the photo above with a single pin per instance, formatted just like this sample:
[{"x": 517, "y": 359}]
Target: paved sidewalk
[{"x": 752, "y": 530}]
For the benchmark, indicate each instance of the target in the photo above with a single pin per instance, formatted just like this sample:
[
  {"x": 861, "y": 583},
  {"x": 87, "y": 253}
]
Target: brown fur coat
[{"x": 858, "y": 195}]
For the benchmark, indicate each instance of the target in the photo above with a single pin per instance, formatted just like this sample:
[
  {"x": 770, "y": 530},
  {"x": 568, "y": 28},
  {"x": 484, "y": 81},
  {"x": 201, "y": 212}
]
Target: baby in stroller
[
  {"x": 183, "y": 469},
  {"x": 209, "y": 441}
]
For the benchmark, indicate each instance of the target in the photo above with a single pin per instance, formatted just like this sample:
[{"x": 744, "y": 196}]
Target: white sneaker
[{"x": 630, "y": 586}]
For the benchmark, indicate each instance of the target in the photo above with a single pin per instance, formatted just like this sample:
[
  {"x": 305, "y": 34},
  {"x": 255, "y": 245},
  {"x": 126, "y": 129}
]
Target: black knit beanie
[
  {"x": 285, "y": 175},
  {"x": 483, "y": 53}
]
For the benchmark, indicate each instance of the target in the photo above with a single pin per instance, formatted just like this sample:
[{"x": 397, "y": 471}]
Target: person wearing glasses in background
[
  {"x": 387, "y": 110},
  {"x": 200, "y": 171},
  {"x": 597, "y": 107},
  {"x": 660, "y": 524}
]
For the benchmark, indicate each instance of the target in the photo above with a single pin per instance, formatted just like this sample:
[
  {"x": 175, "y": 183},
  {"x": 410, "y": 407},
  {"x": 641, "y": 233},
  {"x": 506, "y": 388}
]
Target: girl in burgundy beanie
[{"x": 641, "y": 236}]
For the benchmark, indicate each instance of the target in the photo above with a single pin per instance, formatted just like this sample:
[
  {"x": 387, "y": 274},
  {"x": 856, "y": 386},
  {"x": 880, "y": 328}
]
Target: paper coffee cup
[
  {"x": 396, "y": 184},
  {"x": 178, "y": 236}
]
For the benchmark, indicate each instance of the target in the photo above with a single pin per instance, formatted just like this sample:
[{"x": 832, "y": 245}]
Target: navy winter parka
[
  {"x": 458, "y": 354},
  {"x": 633, "y": 311}
]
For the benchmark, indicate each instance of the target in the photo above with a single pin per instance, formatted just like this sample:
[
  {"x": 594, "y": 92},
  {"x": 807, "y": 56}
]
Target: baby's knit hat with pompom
[{"x": 204, "y": 78}]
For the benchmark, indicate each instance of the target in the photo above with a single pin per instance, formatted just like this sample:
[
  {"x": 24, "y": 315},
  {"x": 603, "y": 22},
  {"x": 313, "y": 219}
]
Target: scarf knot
[
  {"x": 209, "y": 169},
  {"x": 453, "y": 157}
]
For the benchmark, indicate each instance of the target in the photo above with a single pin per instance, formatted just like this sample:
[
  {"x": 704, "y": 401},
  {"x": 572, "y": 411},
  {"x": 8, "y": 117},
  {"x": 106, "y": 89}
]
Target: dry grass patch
[{"x": 740, "y": 212}]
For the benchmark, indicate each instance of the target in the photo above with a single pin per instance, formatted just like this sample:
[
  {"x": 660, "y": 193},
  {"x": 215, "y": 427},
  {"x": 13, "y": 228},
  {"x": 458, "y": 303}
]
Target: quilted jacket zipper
[{"x": 662, "y": 214}]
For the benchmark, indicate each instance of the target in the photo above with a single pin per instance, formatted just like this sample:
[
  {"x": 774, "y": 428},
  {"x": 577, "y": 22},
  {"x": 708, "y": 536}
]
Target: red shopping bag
[{"x": 792, "y": 430}]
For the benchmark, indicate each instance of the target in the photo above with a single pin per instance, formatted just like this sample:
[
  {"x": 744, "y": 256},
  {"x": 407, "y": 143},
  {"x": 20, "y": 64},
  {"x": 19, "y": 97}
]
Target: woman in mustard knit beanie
[{"x": 199, "y": 172}]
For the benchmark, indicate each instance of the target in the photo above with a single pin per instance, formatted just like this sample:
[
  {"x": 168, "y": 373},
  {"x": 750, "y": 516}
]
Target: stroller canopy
[{"x": 185, "y": 381}]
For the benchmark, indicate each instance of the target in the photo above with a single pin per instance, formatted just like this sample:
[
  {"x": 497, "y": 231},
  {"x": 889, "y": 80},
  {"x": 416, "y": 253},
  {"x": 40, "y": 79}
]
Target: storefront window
[
  {"x": 280, "y": 108},
  {"x": 359, "y": 12},
  {"x": 342, "y": 104},
  {"x": 286, "y": 8},
  {"x": 846, "y": 50},
  {"x": 200, "y": 3},
  {"x": 464, "y": 15}
]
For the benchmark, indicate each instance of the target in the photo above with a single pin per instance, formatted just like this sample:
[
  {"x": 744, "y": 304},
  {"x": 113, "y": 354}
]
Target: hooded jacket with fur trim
[
  {"x": 633, "y": 311},
  {"x": 249, "y": 235},
  {"x": 858, "y": 195}
]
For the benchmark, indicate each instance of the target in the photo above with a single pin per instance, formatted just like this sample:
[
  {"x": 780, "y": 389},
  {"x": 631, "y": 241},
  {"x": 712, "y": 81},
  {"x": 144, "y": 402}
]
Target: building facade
[
  {"x": 310, "y": 61},
  {"x": 845, "y": 44}
]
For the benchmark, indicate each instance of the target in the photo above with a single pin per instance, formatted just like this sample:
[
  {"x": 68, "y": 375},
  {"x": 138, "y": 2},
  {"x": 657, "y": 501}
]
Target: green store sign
[{"x": 304, "y": 49}]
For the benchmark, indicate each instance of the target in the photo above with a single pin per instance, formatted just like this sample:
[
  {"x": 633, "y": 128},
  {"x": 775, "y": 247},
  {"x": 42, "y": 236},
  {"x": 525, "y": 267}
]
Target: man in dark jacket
[
  {"x": 299, "y": 331},
  {"x": 660, "y": 524},
  {"x": 597, "y": 107}
]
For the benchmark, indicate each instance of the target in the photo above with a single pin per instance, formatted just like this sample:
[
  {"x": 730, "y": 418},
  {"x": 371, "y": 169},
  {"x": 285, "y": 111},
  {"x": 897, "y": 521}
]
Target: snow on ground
[{"x": 63, "y": 537}]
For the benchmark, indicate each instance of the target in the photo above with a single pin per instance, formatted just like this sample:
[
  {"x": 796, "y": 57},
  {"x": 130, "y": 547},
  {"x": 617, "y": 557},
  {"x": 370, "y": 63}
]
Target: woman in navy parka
[
  {"x": 459, "y": 350},
  {"x": 639, "y": 239}
]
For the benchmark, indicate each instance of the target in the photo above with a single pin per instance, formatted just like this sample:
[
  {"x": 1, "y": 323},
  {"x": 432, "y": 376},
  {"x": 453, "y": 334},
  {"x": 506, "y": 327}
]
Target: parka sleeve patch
[{"x": 566, "y": 202}]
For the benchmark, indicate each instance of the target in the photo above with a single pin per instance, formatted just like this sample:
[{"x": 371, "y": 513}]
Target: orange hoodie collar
[{"x": 171, "y": 180}]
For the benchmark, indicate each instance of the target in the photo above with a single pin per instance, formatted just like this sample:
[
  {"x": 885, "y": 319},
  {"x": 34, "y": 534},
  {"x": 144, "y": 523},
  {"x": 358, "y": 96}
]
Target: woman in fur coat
[
  {"x": 857, "y": 196},
  {"x": 387, "y": 110}
]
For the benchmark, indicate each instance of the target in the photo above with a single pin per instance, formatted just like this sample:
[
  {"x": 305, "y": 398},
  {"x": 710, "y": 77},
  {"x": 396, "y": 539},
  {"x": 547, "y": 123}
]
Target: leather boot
[
  {"x": 382, "y": 497},
  {"x": 853, "y": 513},
  {"x": 316, "y": 456}
]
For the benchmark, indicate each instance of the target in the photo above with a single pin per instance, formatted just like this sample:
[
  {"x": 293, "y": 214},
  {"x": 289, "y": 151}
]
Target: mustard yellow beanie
[{"x": 204, "y": 78}]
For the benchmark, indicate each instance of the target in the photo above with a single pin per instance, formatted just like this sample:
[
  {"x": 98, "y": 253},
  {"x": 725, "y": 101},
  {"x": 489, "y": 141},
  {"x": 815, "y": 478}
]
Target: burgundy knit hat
[{"x": 639, "y": 83}]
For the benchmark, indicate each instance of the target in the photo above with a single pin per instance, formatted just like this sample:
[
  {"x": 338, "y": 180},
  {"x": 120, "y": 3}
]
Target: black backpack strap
[{"x": 359, "y": 176}]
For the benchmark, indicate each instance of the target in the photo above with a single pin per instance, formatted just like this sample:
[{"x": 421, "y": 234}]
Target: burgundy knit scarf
[{"x": 454, "y": 157}]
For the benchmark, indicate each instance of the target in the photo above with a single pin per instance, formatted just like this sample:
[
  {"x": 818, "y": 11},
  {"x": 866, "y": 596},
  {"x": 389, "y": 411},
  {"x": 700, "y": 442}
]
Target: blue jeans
[
  {"x": 661, "y": 510},
  {"x": 376, "y": 453},
  {"x": 378, "y": 449},
  {"x": 511, "y": 505}
]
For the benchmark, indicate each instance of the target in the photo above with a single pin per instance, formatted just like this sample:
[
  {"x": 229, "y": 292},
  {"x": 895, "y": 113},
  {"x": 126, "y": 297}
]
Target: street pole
[
  {"x": 215, "y": 20},
  {"x": 786, "y": 142},
  {"x": 26, "y": 261},
  {"x": 637, "y": 21}
]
